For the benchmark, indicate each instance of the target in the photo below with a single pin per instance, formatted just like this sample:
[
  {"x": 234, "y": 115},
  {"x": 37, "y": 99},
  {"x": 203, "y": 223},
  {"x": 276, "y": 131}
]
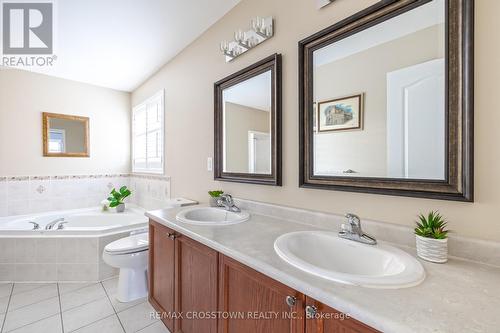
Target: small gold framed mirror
[{"x": 65, "y": 135}]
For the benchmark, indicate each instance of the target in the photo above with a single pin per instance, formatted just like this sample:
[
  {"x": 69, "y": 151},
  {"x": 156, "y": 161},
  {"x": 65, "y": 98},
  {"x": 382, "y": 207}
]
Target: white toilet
[{"x": 130, "y": 255}]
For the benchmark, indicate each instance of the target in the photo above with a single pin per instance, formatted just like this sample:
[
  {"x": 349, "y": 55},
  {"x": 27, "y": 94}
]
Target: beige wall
[
  {"x": 365, "y": 151},
  {"x": 188, "y": 81},
  {"x": 23, "y": 98},
  {"x": 240, "y": 119}
]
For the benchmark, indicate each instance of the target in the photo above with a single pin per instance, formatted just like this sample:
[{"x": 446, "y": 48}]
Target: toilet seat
[{"x": 132, "y": 244}]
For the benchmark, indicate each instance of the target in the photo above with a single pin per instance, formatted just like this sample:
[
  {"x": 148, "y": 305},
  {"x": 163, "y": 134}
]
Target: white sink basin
[
  {"x": 211, "y": 216},
  {"x": 326, "y": 255}
]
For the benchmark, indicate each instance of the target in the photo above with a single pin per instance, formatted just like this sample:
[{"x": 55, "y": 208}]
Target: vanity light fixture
[
  {"x": 322, "y": 3},
  {"x": 262, "y": 29}
]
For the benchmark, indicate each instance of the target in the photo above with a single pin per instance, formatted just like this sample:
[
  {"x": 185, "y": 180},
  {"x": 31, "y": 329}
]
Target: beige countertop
[{"x": 459, "y": 296}]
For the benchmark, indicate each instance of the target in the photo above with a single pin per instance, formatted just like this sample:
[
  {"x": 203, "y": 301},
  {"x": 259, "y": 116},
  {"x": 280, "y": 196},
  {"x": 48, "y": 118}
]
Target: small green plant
[
  {"x": 215, "y": 194},
  {"x": 431, "y": 226},
  {"x": 116, "y": 197}
]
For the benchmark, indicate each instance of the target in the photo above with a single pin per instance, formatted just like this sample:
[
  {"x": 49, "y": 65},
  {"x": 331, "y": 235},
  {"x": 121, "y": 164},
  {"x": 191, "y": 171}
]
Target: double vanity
[
  {"x": 217, "y": 265},
  {"x": 198, "y": 285}
]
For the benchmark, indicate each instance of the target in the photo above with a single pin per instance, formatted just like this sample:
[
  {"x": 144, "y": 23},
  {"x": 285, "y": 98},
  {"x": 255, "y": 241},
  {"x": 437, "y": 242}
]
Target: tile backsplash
[{"x": 36, "y": 194}]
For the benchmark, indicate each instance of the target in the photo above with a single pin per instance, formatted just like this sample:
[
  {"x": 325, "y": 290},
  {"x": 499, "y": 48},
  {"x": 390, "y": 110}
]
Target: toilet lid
[{"x": 131, "y": 244}]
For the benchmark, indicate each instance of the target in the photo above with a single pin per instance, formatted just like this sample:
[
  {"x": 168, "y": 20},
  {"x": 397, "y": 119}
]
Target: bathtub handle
[
  {"x": 36, "y": 226},
  {"x": 60, "y": 226}
]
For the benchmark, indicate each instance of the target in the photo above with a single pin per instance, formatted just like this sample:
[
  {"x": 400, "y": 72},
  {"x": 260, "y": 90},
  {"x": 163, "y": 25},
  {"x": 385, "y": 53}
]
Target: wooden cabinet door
[
  {"x": 161, "y": 271},
  {"x": 196, "y": 286},
  {"x": 323, "y": 319},
  {"x": 256, "y": 303}
]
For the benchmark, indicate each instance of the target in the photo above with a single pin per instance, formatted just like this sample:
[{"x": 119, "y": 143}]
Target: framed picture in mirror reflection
[{"x": 339, "y": 114}]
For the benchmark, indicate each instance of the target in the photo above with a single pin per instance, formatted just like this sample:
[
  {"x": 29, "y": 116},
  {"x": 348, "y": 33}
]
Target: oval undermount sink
[
  {"x": 326, "y": 255},
  {"x": 211, "y": 216}
]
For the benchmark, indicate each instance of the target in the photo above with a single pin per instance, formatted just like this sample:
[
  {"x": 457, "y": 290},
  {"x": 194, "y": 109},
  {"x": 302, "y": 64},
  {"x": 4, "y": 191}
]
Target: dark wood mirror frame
[
  {"x": 45, "y": 137},
  {"x": 458, "y": 183},
  {"x": 273, "y": 64}
]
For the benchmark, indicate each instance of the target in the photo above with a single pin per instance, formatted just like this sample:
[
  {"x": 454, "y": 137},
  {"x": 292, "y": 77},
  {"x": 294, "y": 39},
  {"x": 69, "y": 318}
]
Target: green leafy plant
[
  {"x": 431, "y": 226},
  {"x": 116, "y": 197},
  {"x": 215, "y": 194}
]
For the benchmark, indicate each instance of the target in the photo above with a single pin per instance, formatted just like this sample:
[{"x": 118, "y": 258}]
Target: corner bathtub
[
  {"x": 73, "y": 254},
  {"x": 89, "y": 221}
]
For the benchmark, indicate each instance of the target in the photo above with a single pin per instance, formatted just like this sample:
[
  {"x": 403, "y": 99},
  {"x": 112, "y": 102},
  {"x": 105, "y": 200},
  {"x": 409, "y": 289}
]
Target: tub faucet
[
  {"x": 36, "y": 226},
  {"x": 354, "y": 232},
  {"x": 60, "y": 226},
  {"x": 50, "y": 225},
  {"x": 226, "y": 201}
]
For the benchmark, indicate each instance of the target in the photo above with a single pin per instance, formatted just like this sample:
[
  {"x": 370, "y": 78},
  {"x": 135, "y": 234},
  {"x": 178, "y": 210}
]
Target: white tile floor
[{"x": 72, "y": 307}]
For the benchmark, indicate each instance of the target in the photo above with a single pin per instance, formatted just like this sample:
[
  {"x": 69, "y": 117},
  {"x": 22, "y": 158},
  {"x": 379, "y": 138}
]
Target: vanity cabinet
[
  {"x": 190, "y": 283},
  {"x": 182, "y": 280},
  {"x": 161, "y": 271},
  {"x": 195, "y": 285},
  {"x": 324, "y": 319},
  {"x": 268, "y": 306}
]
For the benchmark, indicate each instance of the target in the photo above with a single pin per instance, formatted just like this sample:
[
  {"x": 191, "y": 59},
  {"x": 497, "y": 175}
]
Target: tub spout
[{"x": 50, "y": 225}]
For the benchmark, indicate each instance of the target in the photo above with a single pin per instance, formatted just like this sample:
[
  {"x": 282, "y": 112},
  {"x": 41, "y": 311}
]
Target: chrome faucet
[
  {"x": 226, "y": 201},
  {"x": 50, "y": 225},
  {"x": 36, "y": 226},
  {"x": 354, "y": 232},
  {"x": 60, "y": 226}
]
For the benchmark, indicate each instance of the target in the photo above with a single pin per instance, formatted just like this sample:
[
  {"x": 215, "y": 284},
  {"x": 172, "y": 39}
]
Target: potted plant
[
  {"x": 432, "y": 237},
  {"x": 116, "y": 198},
  {"x": 213, "y": 197}
]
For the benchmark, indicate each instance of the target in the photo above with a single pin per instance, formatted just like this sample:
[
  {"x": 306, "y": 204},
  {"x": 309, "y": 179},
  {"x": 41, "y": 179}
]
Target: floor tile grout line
[
  {"x": 60, "y": 308},
  {"x": 42, "y": 285},
  {"x": 92, "y": 323},
  {"x": 40, "y": 301},
  {"x": 93, "y": 300},
  {"x": 7, "y": 308},
  {"x": 58, "y": 295},
  {"x": 155, "y": 322},
  {"x": 15, "y": 295},
  {"x": 77, "y": 289},
  {"x": 114, "y": 310},
  {"x": 86, "y": 303},
  {"x": 36, "y": 321}
]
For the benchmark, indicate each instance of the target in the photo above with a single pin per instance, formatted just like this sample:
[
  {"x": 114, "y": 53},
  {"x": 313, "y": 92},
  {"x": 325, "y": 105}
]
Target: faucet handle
[
  {"x": 36, "y": 226},
  {"x": 353, "y": 219},
  {"x": 60, "y": 226},
  {"x": 228, "y": 198}
]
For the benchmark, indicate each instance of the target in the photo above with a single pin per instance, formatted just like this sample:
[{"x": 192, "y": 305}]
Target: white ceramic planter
[
  {"x": 433, "y": 250},
  {"x": 213, "y": 202},
  {"x": 120, "y": 208}
]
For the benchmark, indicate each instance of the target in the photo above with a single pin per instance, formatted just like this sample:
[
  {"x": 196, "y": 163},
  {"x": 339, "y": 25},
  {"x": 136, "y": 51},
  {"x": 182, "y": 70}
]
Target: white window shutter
[{"x": 148, "y": 135}]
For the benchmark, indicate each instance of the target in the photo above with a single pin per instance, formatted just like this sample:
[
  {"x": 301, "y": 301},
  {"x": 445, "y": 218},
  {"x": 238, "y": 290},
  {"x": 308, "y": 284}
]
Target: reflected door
[
  {"x": 259, "y": 152},
  {"x": 416, "y": 121}
]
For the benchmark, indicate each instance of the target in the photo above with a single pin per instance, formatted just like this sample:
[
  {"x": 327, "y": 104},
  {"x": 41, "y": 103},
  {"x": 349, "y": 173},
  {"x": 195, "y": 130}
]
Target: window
[
  {"x": 57, "y": 141},
  {"x": 148, "y": 134}
]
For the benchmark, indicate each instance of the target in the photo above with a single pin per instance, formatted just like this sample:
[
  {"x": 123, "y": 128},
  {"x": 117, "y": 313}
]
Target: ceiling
[
  {"x": 420, "y": 18},
  {"x": 120, "y": 43},
  {"x": 254, "y": 92}
]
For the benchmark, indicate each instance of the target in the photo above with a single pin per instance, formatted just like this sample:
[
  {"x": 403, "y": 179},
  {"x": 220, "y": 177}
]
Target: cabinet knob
[
  {"x": 291, "y": 300},
  {"x": 172, "y": 236},
  {"x": 311, "y": 311}
]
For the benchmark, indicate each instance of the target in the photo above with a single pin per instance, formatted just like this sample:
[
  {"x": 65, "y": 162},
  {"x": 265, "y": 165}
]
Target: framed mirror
[
  {"x": 386, "y": 101},
  {"x": 248, "y": 124},
  {"x": 65, "y": 135}
]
